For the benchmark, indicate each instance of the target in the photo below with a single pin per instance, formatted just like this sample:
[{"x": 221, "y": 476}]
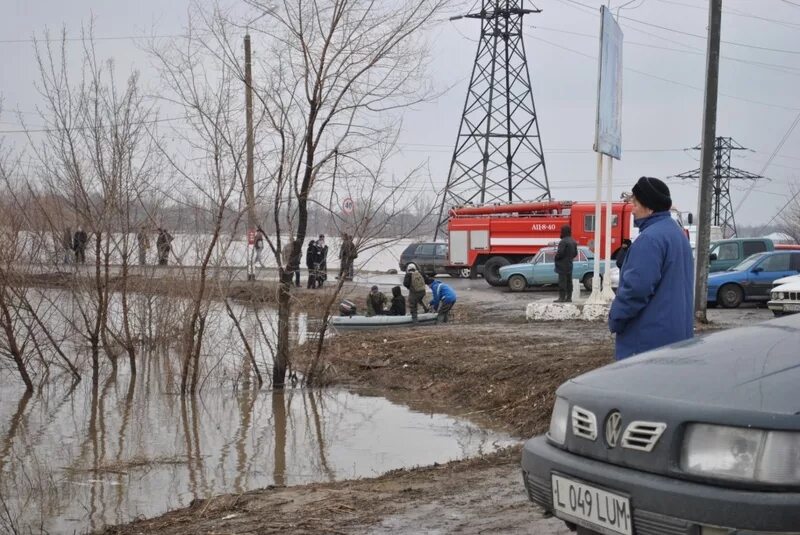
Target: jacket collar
[{"x": 645, "y": 222}]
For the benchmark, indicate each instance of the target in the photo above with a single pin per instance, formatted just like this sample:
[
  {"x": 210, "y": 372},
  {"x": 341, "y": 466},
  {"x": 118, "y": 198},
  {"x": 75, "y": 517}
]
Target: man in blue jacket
[
  {"x": 654, "y": 302},
  {"x": 444, "y": 297}
]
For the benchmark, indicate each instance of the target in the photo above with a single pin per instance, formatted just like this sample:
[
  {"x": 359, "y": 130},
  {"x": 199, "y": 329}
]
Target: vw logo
[{"x": 613, "y": 429}]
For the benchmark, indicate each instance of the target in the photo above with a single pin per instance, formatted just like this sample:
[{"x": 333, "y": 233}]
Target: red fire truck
[{"x": 485, "y": 238}]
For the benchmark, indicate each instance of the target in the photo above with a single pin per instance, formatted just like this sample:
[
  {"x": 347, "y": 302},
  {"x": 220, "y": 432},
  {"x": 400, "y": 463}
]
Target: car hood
[
  {"x": 785, "y": 280},
  {"x": 513, "y": 267},
  {"x": 788, "y": 287},
  {"x": 751, "y": 369}
]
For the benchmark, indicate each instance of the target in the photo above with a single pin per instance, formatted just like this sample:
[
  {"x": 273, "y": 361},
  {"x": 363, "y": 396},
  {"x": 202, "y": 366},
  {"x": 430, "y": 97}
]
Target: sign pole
[
  {"x": 596, "y": 249},
  {"x": 608, "y": 293}
]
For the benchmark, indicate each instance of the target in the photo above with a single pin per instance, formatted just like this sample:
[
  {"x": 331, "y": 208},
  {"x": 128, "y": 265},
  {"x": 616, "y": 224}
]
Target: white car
[
  {"x": 786, "y": 280},
  {"x": 785, "y": 298}
]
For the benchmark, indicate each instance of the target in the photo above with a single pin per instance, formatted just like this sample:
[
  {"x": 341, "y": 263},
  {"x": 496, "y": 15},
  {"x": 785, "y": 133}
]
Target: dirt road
[{"x": 490, "y": 366}]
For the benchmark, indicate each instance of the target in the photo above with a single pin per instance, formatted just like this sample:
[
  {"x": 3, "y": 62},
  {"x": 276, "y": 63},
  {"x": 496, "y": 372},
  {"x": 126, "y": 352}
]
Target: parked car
[
  {"x": 785, "y": 298},
  {"x": 430, "y": 258},
  {"x": 540, "y": 270},
  {"x": 751, "y": 280},
  {"x": 697, "y": 438}
]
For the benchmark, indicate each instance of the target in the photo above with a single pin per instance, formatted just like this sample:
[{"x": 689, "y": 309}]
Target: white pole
[
  {"x": 595, "y": 297},
  {"x": 608, "y": 293}
]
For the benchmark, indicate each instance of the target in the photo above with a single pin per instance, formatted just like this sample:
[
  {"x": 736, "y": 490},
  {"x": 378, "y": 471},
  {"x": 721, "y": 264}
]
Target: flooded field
[{"x": 77, "y": 457}]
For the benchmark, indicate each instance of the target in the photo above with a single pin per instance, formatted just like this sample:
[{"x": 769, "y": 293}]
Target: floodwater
[{"x": 76, "y": 458}]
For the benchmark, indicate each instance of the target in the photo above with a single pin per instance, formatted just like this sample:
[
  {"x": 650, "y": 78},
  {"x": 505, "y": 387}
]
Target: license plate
[
  {"x": 592, "y": 507},
  {"x": 791, "y": 308}
]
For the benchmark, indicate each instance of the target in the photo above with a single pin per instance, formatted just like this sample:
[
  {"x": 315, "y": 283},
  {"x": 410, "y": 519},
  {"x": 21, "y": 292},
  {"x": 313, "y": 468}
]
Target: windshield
[{"x": 747, "y": 263}]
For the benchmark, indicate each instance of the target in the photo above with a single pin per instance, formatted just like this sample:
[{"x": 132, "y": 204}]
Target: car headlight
[
  {"x": 558, "y": 421},
  {"x": 742, "y": 454}
]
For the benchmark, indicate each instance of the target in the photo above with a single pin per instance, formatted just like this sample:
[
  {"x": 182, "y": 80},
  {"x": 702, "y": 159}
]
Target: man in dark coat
[
  {"x": 163, "y": 246},
  {"x": 565, "y": 256},
  {"x": 312, "y": 264},
  {"x": 376, "y": 302},
  {"x": 654, "y": 302},
  {"x": 347, "y": 255},
  {"x": 79, "y": 242}
]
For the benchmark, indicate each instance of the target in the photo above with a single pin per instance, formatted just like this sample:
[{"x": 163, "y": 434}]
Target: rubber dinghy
[{"x": 375, "y": 322}]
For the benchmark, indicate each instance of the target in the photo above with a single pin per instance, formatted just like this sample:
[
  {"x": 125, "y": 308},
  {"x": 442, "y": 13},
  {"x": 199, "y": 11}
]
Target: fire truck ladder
[
  {"x": 723, "y": 175},
  {"x": 498, "y": 155}
]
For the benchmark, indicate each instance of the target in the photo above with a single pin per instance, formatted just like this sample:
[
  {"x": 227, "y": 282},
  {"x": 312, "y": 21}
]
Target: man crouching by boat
[
  {"x": 444, "y": 297},
  {"x": 376, "y": 302},
  {"x": 398, "y": 306}
]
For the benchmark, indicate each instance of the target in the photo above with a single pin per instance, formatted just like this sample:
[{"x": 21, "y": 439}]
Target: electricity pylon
[
  {"x": 498, "y": 155},
  {"x": 723, "y": 214}
]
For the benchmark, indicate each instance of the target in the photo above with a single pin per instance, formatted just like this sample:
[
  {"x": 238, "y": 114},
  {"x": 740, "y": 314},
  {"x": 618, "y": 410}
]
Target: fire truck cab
[{"x": 485, "y": 238}]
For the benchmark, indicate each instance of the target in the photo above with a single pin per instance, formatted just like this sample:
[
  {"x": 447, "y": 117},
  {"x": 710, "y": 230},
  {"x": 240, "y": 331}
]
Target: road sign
[{"x": 348, "y": 205}]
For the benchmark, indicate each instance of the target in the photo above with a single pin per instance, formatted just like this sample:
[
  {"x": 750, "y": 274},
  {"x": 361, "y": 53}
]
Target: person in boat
[
  {"x": 376, "y": 302},
  {"x": 398, "y": 306},
  {"x": 442, "y": 301}
]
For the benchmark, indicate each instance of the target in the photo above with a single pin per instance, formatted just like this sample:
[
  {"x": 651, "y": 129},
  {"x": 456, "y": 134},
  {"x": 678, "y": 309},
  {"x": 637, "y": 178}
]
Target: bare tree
[
  {"x": 334, "y": 78},
  {"x": 790, "y": 217}
]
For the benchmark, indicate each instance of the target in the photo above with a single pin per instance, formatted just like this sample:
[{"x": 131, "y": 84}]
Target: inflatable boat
[{"x": 375, "y": 322}]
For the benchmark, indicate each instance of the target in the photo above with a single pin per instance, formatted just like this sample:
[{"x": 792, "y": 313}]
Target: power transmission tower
[
  {"x": 722, "y": 208},
  {"x": 498, "y": 154}
]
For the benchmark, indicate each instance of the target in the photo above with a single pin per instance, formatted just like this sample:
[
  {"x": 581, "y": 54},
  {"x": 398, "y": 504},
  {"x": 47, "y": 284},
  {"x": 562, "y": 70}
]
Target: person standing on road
[
  {"x": 79, "y": 242},
  {"x": 258, "y": 247},
  {"x": 626, "y": 243},
  {"x": 443, "y": 297},
  {"x": 654, "y": 302},
  {"x": 67, "y": 245},
  {"x": 415, "y": 283},
  {"x": 311, "y": 264},
  {"x": 565, "y": 256},
  {"x": 347, "y": 255},
  {"x": 163, "y": 246},
  {"x": 398, "y": 306},
  {"x": 376, "y": 302},
  {"x": 143, "y": 241},
  {"x": 291, "y": 263},
  {"x": 322, "y": 255}
]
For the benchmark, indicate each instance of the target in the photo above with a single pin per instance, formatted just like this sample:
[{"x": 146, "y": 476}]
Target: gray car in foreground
[{"x": 698, "y": 438}]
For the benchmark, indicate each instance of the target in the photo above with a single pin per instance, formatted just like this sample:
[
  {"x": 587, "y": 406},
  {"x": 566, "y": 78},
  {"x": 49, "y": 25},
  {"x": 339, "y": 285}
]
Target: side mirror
[
  {"x": 758, "y": 270},
  {"x": 712, "y": 257}
]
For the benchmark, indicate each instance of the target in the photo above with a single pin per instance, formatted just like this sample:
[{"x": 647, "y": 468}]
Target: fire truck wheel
[
  {"x": 491, "y": 269},
  {"x": 517, "y": 283},
  {"x": 411, "y": 265}
]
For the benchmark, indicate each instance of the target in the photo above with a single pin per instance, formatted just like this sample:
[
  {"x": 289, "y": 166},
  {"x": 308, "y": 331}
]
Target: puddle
[{"x": 73, "y": 462}]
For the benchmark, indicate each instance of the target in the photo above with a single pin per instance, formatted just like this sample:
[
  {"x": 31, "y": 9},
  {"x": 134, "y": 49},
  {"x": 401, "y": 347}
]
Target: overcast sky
[{"x": 664, "y": 62}]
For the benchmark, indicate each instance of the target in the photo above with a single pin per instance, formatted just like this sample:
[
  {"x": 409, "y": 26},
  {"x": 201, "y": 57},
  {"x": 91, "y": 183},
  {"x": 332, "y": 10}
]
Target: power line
[
  {"x": 104, "y": 38},
  {"x": 668, "y": 80},
  {"x": 695, "y": 35},
  {"x": 785, "y": 69}
]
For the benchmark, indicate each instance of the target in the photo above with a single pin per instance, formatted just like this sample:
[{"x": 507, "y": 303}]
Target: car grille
[
  {"x": 642, "y": 436},
  {"x": 645, "y": 522},
  {"x": 584, "y": 423}
]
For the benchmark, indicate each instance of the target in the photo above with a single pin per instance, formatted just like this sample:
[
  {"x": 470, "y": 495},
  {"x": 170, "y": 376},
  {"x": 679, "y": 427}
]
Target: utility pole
[
  {"x": 250, "y": 193},
  {"x": 707, "y": 160}
]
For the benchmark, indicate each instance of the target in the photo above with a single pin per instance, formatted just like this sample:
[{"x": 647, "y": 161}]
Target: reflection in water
[
  {"x": 80, "y": 456},
  {"x": 113, "y": 452}
]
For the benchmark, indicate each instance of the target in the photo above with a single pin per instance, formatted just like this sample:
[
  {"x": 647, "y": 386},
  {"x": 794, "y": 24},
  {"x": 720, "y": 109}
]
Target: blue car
[
  {"x": 752, "y": 278},
  {"x": 540, "y": 271}
]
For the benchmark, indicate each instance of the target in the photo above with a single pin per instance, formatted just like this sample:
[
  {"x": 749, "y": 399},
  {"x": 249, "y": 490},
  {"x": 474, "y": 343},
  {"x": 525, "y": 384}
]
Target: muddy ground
[{"x": 489, "y": 365}]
